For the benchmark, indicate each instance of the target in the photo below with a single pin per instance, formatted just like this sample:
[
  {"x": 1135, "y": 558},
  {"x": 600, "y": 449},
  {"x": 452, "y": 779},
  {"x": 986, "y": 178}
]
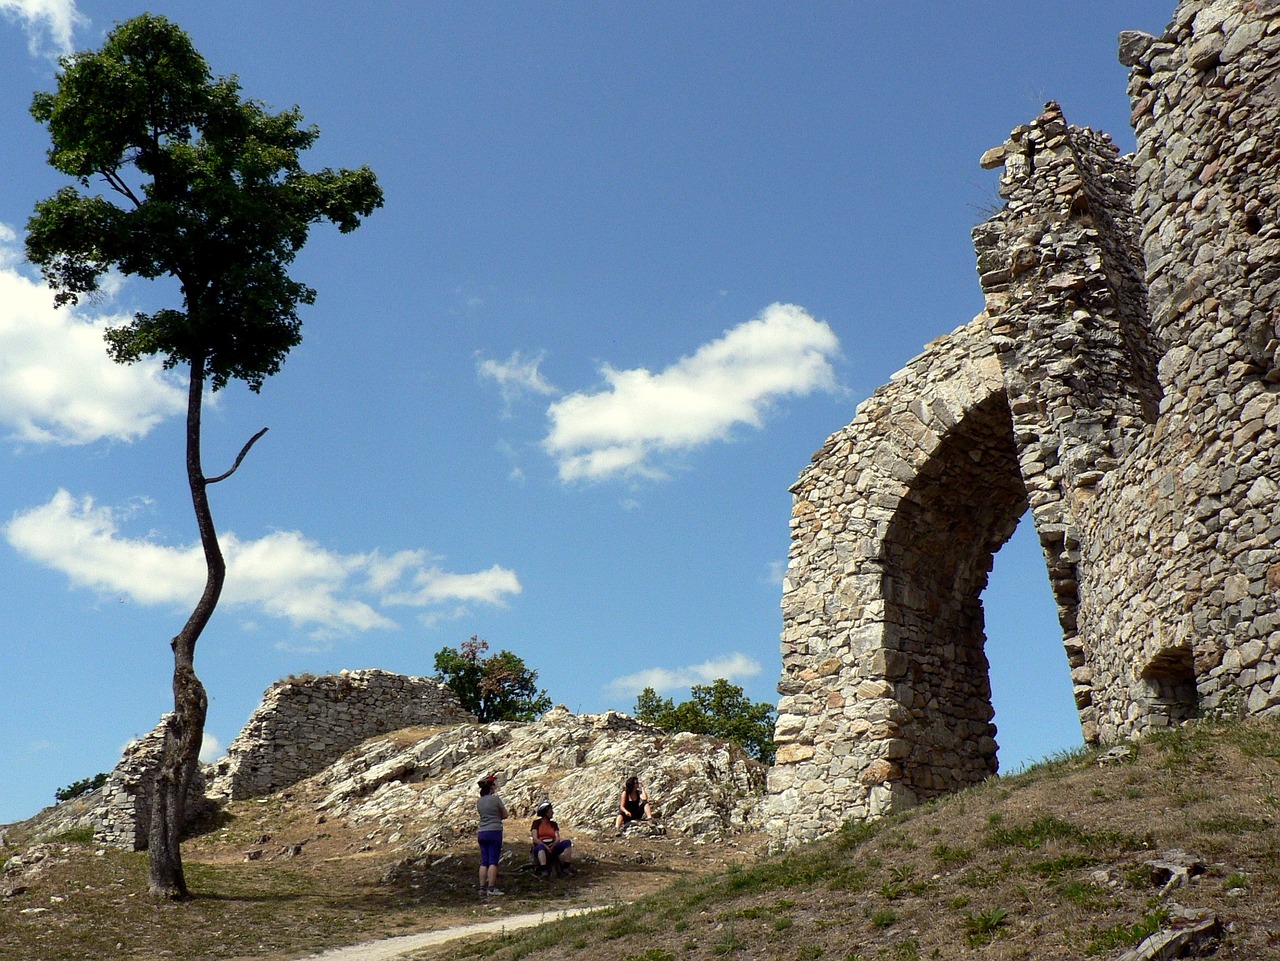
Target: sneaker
[{"x": 494, "y": 891}]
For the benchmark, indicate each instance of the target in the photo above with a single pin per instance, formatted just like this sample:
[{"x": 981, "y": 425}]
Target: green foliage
[
  {"x": 204, "y": 186},
  {"x": 1117, "y": 936},
  {"x": 947, "y": 856},
  {"x": 883, "y": 917},
  {"x": 497, "y": 687},
  {"x": 82, "y": 834},
  {"x": 82, "y": 786},
  {"x": 719, "y": 709},
  {"x": 984, "y": 927}
]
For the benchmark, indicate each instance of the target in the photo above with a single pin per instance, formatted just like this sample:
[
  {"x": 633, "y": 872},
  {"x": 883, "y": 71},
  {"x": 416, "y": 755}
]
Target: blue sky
[{"x": 636, "y": 263}]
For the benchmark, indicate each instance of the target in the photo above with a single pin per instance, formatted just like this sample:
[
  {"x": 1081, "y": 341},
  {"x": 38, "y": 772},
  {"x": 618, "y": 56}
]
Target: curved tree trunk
[{"x": 184, "y": 729}]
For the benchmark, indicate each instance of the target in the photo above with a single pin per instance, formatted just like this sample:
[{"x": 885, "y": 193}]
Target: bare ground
[{"x": 1051, "y": 864}]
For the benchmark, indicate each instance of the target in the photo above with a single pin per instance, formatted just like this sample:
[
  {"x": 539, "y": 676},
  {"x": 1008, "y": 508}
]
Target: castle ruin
[{"x": 1123, "y": 386}]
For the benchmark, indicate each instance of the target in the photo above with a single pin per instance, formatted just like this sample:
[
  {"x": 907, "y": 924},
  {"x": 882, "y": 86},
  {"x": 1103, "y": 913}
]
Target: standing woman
[{"x": 492, "y": 813}]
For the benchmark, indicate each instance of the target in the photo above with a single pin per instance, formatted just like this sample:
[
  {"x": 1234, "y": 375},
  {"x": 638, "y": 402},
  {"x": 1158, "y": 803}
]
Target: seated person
[
  {"x": 548, "y": 848},
  {"x": 633, "y": 804}
]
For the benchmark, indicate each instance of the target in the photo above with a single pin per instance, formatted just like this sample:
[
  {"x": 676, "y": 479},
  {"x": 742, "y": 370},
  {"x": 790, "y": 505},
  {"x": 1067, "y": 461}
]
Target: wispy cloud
[
  {"x": 641, "y": 416},
  {"x": 516, "y": 377},
  {"x": 49, "y": 24},
  {"x": 283, "y": 574},
  {"x": 661, "y": 679},
  {"x": 210, "y": 748},
  {"x": 57, "y": 384}
]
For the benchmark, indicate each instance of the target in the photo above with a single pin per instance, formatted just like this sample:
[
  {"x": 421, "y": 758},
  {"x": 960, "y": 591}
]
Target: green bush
[{"x": 83, "y": 786}]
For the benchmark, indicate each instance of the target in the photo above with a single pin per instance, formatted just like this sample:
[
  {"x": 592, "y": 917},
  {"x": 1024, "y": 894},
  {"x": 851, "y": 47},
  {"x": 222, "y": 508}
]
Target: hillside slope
[
  {"x": 1082, "y": 857},
  {"x": 1052, "y": 863}
]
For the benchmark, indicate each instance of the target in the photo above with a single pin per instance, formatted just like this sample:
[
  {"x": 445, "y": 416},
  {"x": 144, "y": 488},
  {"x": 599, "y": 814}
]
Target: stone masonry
[
  {"x": 302, "y": 725},
  {"x": 1122, "y": 385},
  {"x": 121, "y": 816},
  {"x": 305, "y": 724}
]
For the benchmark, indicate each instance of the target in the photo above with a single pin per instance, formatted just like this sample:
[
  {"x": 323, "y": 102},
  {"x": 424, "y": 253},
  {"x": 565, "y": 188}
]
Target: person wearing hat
[
  {"x": 548, "y": 847},
  {"x": 492, "y": 813}
]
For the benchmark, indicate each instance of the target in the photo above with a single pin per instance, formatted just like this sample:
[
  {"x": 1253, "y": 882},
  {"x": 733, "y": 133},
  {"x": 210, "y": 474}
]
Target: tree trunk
[{"x": 185, "y": 728}]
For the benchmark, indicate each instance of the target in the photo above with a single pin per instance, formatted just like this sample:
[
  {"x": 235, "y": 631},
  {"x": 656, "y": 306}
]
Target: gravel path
[{"x": 388, "y": 949}]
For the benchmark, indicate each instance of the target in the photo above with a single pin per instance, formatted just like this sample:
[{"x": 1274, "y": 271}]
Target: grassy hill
[{"x": 1050, "y": 863}]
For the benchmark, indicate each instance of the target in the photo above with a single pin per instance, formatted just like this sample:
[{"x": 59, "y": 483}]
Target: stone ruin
[
  {"x": 306, "y": 723},
  {"x": 121, "y": 816},
  {"x": 416, "y": 786},
  {"x": 1123, "y": 386},
  {"x": 302, "y": 725}
]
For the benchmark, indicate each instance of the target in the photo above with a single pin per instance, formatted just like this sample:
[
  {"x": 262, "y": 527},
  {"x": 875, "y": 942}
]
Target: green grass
[
  {"x": 985, "y": 926},
  {"x": 1119, "y": 936}
]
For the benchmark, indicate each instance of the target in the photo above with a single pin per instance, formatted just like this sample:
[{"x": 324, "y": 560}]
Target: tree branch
[
  {"x": 119, "y": 186},
  {"x": 236, "y": 466}
]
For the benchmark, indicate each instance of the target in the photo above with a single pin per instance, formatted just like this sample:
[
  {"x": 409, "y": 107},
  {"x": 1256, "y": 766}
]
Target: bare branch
[
  {"x": 236, "y": 466},
  {"x": 118, "y": 184}
]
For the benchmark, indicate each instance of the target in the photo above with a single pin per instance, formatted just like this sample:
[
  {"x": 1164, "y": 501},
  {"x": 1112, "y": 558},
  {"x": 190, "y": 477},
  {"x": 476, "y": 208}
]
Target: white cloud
[
  {"x": 516, "y": 377},
  {"x": 282, "y": 574},
  {"x": 681, "y": 678},
  {"x": 57, "y": 384},
  {"x": 210, "y": 748},
  {"x": 775, "y": 573},
  {"x": 55, "y": 20},
  {"x": 641, "y": 415}
]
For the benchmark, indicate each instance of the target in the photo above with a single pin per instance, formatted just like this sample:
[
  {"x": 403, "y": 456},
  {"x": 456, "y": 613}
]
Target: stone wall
[
  {"x": 305, "y": 724},
  {"x": 1183, "y": 596},
  {"x": 1121, "y": 384},
  {"x": 122, "y": 814}
]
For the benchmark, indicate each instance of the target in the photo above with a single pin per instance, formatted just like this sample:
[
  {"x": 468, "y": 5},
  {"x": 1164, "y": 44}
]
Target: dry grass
[
  {"x": 346, "y": 884},
  {"x": 1046, "y": 864}
]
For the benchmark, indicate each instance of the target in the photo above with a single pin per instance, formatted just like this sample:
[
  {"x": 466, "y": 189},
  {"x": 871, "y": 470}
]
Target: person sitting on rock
[
  {"x": 633, "y": 804},
  {"x": 549, "y": 849}
]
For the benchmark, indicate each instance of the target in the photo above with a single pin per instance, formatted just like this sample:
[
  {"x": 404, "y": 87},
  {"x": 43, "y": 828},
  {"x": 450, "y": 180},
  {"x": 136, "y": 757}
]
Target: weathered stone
[
  {"x": 1122, "y": 387},
  {"x": 337, "y": 712}
]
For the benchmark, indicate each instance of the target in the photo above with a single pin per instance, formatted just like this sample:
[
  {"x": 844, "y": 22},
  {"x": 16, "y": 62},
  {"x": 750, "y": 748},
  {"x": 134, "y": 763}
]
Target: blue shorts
[
  {"x": 554, "y": 851},
  {"x": 490, "y": 847}
]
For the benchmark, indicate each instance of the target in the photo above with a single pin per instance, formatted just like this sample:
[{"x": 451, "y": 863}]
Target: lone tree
[
  {"x": 719, "y": 709},
  {"x": 205, "y": 187},
  {"x": 497, "y": 687}
]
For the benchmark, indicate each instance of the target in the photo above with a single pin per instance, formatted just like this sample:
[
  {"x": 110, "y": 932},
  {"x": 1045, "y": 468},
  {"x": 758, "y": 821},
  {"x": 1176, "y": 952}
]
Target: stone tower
[{"x": 1123, "y": 386}]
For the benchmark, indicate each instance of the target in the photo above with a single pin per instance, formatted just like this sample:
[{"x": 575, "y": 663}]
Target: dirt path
[{"x": 388, "y": 949}]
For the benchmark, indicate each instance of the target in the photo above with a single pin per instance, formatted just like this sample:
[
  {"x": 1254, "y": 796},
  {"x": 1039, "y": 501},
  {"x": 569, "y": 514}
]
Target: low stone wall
[{"x": 305, "y": 724}]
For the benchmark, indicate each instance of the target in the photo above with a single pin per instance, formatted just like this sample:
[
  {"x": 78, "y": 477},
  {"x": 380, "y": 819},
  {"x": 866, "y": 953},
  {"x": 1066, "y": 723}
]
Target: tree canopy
[
  {"x": 720, "y": 709},
  {"x": 495, "y": 687},
  {"x": 205, "y": 187}
]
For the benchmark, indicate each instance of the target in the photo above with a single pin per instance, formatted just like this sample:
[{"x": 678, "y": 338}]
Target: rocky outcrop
[
  {"x": 306, "y": 723},
  {"x": 1123, "y": 387},
  {"x": 419, "y": 787}
]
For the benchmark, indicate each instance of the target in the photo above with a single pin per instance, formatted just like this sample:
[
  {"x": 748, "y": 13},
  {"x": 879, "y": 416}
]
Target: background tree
[
  {"x": 204, "y": 187},
  {"x": 498, "y": 687},
  {"x": 719, "y": 709}
]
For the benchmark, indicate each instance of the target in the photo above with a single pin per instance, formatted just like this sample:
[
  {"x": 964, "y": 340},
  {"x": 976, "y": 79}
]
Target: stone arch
[
  {"x": 961, "y": 508},
  {"x": 1129, "y": 345},
  {"x": 886, "y": 695}
]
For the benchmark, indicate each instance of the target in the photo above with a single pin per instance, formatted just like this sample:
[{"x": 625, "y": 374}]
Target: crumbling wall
[
  {"x": 885, "y": 693},
  {"x": 1121, "y": 383},
  {"x": 1061, "y": 275},
  {"x": 305, "y": 724},
  {"x": 1182, "y": 594},
  {"x": 122, "y": 815}
]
